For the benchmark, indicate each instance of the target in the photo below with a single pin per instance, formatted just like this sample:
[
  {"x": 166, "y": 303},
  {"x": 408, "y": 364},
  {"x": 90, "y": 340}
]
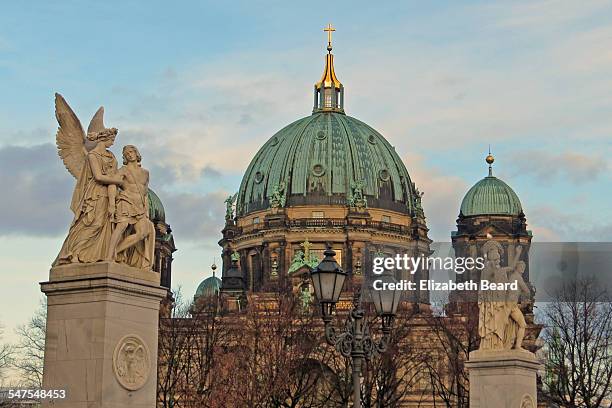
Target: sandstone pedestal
[
  {"x": 502, "y": 379},
  {"x": 101, "y": 341}
]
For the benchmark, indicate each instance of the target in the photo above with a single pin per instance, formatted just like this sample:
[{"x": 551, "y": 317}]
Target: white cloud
[
  {"x": 578, "y": 168},
  {"x": 442, "y": 198}
]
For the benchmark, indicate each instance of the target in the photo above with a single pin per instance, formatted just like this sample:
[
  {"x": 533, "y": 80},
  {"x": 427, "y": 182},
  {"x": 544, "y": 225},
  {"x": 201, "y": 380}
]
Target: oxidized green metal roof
[
  {"x": 209, "y": 287},
  {"x": 156, "y": 208},
  {"x": 321, "y": 155},
  {"x": 490, "y": 196}
]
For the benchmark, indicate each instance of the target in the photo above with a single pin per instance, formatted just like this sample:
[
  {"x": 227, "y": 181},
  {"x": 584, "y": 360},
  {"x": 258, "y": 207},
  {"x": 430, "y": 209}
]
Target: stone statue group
[
  {"x": 501, "y": 324},
  {"x": 110, "y": 204}
]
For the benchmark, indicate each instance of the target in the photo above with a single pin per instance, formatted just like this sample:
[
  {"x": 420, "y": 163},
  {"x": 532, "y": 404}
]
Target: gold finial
[
  {"x": 490, "y": 159},
  {"x": 329, "y": 75},
  {"x": 213, "y": 267},
  {"x": 329, "y": 29}
]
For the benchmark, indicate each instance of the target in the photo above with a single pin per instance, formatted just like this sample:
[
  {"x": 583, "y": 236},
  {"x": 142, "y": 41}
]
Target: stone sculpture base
[
  {"x": 101, "y": 341},
  {"x": 502, "y": 379}
]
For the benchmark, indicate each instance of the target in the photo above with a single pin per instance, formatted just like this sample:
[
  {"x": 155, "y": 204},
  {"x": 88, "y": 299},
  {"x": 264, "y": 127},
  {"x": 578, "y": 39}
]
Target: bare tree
[
  {"x": 7, "y": 353},
  {"x": 450, "y": 339},
  {"x": 389, "y": 378},
  {"x": 173, "y": 349},
  {"x": 578, "y": 345},
  {"x": 191, "y": 337},
  {"x": 30, "y": 350},
  {"x": 276, "y": 357}
]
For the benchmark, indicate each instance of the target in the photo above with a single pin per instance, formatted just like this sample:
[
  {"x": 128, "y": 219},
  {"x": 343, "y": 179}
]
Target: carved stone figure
[
  {"x": 95, "y": 169},
  {"x": 229, "y": 207},
  {"x": 513, "y": 296},
  {"x": 131, "y": 362},
  {"x": 355, "y": 198},
  {"x": 501, "y": 324},
  {"x": 418, "y": 196},
  {"x": 133, "y": 239},
  {"x": 277, "y": 199},
  {"x": 305, "y": 298}
]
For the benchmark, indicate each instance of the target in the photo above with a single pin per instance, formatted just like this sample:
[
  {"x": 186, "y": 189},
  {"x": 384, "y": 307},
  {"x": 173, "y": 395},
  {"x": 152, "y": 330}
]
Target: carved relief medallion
[
  {"x": 527, "y": 402},
  {"x": 131, "y": 362}
]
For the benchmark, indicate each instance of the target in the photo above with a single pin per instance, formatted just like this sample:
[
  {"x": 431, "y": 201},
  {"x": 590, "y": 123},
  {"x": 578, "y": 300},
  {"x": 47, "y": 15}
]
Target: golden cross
[
  {"x": 329, "y": 29},
  {"x": 306, "y": 245}
]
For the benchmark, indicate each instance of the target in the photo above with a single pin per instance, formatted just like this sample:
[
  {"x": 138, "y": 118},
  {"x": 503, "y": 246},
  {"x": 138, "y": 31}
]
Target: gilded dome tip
[
  {"x": 490, "y": 159},
  {"x": 329, "y": 92}
]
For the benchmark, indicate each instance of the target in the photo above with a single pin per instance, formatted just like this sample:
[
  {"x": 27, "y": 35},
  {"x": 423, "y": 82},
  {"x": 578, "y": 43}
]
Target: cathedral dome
[
  {"x": 327, "y": 158},
  {"x": 490, "y": 196},
  {"x": 318, "y": 158}
]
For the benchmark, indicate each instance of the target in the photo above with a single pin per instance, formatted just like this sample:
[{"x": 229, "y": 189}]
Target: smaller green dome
[
  {"x": 491, "y": 196},
  {"x": 156, "y": 208},
  {"x": 210, "y": 286}
]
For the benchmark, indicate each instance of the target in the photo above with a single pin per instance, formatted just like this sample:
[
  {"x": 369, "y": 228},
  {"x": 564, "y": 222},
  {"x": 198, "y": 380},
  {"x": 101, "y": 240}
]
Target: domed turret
[
  {"x": 490, "y": 196},
  {"x": 209, "y": 287},
  {"x": 164, "y": 241},
  {"x": 156, "y": 208}
]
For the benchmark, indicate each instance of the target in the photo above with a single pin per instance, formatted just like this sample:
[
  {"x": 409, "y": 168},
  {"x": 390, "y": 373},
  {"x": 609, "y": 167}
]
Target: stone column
[
  {"x": 101, "y": 340},
  {"x": 502, "y": 379}
]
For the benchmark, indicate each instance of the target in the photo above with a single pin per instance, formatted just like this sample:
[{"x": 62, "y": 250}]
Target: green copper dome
[
  {"x": 490, "y": 196},
  {"x": 156, "y": 208},
  {"x": 210, "y": 286},
  {"x": 319, "y": 159}
]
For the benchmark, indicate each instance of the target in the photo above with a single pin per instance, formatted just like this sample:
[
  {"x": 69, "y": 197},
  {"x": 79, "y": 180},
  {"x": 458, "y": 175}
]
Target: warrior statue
[
  {"x": 501, "y": 323},
  {"x": 133, "y": 238}
]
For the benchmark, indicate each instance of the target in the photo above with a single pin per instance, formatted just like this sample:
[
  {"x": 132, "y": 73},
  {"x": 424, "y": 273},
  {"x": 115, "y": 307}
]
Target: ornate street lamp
[
  {"x": 386, "y": 302},
  {"x": 354, "y": 340},
  {"x": 327, "y": 280}
]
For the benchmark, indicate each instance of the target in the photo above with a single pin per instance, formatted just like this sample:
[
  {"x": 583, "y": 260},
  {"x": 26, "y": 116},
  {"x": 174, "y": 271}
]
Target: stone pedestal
[
  {"x": 502, "y": 379},
  {"x": 101, "y": 341}
]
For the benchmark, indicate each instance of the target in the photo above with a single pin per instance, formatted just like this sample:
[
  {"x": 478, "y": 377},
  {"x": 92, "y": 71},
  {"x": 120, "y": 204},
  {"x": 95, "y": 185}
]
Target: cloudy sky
[{"x": 200, "y": 86}]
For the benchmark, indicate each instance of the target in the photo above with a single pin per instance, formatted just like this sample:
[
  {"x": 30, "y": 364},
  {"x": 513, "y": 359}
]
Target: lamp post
[{"x": 354, "y": 340}]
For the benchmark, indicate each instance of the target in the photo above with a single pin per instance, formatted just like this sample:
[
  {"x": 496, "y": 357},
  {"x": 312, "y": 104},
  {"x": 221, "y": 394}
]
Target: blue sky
[{"x": 199, "y": 86}]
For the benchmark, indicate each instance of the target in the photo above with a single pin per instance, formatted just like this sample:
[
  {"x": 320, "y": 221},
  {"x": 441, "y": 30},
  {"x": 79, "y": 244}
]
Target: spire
[
  {"x": 329, "y": 92},
  {"x": 490, "y": 159}
]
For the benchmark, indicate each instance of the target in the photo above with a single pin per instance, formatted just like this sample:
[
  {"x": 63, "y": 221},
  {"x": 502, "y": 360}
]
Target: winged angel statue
[{"x": 110, "y": 205}]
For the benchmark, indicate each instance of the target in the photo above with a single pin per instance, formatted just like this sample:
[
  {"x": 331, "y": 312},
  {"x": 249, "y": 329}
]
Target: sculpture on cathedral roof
[
  {"x": 355, "y": 198},
  {"x": 229, "y": 207},
  {"x": 277, "y": 199},
  {"x": 418, "y": 195},
  {"x": 110, "y": 205}
]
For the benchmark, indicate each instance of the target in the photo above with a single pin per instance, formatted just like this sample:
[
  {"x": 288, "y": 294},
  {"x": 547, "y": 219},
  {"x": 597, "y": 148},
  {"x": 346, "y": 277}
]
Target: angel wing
[
  {"x": 97, "y": 122},
  {"x": 70, "y": 138}
]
